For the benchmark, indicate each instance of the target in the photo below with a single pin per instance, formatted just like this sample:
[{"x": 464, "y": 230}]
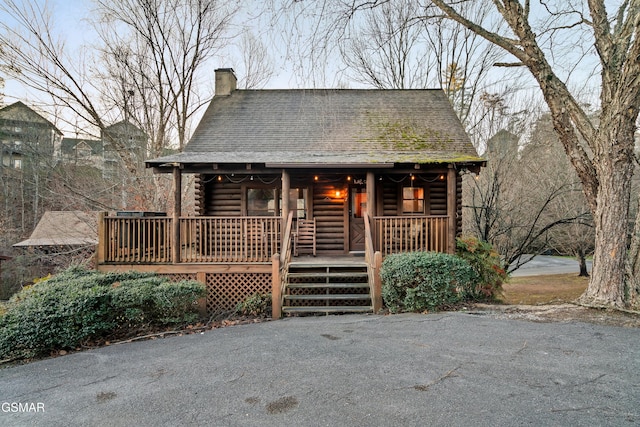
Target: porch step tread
[
  {"x": 327, "y": 285},
  {"x": 329, "y": 309},
  {"x": 299, "y": 264},
  {"x": 329, "y": 274},
  {"x": 329, "y": 297}
]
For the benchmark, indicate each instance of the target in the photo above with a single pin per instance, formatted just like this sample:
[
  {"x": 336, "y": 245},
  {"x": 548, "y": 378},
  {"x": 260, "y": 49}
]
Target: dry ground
[{"x": 550, "y": 298}]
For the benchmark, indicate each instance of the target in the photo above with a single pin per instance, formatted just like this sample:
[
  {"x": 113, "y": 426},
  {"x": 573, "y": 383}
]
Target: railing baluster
[
  {"x": 202, "y": 239},
  {"x": 415, "y": 233}
]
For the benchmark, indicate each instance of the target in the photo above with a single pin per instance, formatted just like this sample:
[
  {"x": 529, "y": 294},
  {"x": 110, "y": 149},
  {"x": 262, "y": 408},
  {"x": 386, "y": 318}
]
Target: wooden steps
[
  {"x": 324, "y": 297},
  {"x": 325, "y": 285},
  {"x": 329, "y": 287},
  {"x": 328, "y": 310}
]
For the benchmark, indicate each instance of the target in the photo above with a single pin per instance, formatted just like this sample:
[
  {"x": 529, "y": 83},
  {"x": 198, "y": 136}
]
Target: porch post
[
  {"x": 102, "y": 239},
  {"x": 286, "y": 186},
  {"x": 371, "y": 195},
  {"x": 452, "y": 209},
  {"x": 177, "y": 211},
  {"x": 276, "y": 288},
  {"x": 377, "y": 283}
]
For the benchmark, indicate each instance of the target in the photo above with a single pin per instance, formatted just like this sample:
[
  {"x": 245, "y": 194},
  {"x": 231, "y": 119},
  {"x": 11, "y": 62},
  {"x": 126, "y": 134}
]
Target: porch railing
[
  {"x": 136, "y": 240},
  {"x": 148, "y": 240},
  {"x": 229, "y": 239},
  {"x": 410, "y": 233}
]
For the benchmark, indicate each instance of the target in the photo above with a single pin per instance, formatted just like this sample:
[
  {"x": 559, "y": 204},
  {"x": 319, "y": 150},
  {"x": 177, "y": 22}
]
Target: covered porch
[
  {"x": 242, "y": 217},
  {"x": 241, "y": 240},
  {"x": 137, "y": 241}
]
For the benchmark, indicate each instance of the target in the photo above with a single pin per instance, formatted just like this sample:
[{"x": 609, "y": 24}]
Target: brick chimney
[{"x": 225, "y": 81}]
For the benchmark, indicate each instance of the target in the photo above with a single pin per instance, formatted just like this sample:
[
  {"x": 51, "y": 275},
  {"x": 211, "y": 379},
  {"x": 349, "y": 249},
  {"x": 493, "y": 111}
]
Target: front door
[{"x": 357, "y": 209}]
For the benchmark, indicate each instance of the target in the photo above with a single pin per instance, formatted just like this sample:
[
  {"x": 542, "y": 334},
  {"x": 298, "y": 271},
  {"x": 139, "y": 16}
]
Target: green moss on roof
[
  {"x": 407, "y": 136},
  {"x": 423, "y": 158}
]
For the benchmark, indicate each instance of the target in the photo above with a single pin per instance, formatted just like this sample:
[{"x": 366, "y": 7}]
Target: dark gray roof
[{"x": 315, "y": 127}]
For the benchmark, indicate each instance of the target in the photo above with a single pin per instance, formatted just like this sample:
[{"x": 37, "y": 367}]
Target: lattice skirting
[
  {"x": 178, "y": 277},
  {"x": 226, "y": 290}
]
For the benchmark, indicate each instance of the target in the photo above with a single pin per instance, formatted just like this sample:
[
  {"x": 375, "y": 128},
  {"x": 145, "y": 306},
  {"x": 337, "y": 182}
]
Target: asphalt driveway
[
  {"x": 544, "y": 264},
  {"x": 358, "y": 370}
]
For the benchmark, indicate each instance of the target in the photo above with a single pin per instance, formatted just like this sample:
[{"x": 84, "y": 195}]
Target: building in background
[{"x": 26, "y": 137}]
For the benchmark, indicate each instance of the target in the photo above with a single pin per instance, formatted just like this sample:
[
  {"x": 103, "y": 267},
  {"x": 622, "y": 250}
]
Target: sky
[{"x": 70, "y": 18}]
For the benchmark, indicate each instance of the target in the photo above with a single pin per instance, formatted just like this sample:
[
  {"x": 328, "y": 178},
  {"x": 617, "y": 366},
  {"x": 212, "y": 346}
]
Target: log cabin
[{"x": 302, "y": 193}]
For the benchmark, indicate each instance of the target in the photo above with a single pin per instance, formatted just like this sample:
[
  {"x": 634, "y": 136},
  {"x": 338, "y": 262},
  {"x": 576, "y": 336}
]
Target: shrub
[
  {"x": 77, "y": 305},
  {"x": 418, "y": 281},
  {"x": 255, "y": 305},
  {"x": 487, "y": 264}
]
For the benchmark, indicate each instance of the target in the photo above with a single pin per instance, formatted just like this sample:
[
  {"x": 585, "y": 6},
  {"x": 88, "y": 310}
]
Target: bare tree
[
  {"x": 257, "y": 64},
  {"x": 157, "y": 48},
  {"x": 464, "y": 60},
  {"x": 37, "y": 57},
  {"x": 393, "y": 44},
  {"x": 388, "y": 49},
  {"x": 605, "y": 161},
  {"x": 519, "y": 200},
  {"x": 153, "y": 53},
  {"x": 550, "y": 166}
]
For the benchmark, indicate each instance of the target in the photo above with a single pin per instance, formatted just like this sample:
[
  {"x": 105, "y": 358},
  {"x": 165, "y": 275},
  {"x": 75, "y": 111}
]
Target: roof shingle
[{"x": 319, "y": 126}]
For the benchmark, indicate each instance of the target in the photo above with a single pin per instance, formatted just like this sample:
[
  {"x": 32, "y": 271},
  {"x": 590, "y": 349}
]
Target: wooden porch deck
[
  {"x": 242, "y": 256},
  {"x": 238, "y": 240}
]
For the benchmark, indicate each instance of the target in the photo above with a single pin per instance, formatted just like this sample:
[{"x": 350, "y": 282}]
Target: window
[
  {"x": 17, "y": 163},
  {"x": 297, "y": 202},
  {"x": 358, "y": 202},
  {"x": 261, "y": 202},
  {"x": 413, "y": 200}
]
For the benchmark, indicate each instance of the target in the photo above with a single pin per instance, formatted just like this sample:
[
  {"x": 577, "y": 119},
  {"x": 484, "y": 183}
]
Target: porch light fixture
[
  {"x": 349, "y": 178},
  {"x": 441, "y": 177},
  {"x": 219, "y": 177},
  {"x": 315, "y": 178},
  {"x": 338, "y": 194}
]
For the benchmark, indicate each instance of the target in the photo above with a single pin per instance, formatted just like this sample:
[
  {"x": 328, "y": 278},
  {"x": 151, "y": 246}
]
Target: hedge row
[
  {"x": 419, "y": 281},
  {"x": 79, "y": 305}
]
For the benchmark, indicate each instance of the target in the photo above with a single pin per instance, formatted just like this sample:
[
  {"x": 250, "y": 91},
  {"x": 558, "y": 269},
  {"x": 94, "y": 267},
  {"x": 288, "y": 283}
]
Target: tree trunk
[
  {"x": 633, "y": 260},
  {"x": 582, "y": 260},
  {"x": 608, "y": 284}
]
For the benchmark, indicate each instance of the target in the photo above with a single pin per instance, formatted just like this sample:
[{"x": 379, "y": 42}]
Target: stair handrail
[
  {"x": 285, "y": 247},
  {"x": 373, "y": 260},
  {"x": 285, "y": 255},
  {"x": 368, "y": 240}
]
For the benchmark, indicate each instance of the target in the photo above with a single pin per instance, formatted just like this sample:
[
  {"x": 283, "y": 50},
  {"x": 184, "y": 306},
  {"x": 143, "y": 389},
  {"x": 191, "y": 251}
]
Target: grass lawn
[{"x": 532, "y": 290}]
